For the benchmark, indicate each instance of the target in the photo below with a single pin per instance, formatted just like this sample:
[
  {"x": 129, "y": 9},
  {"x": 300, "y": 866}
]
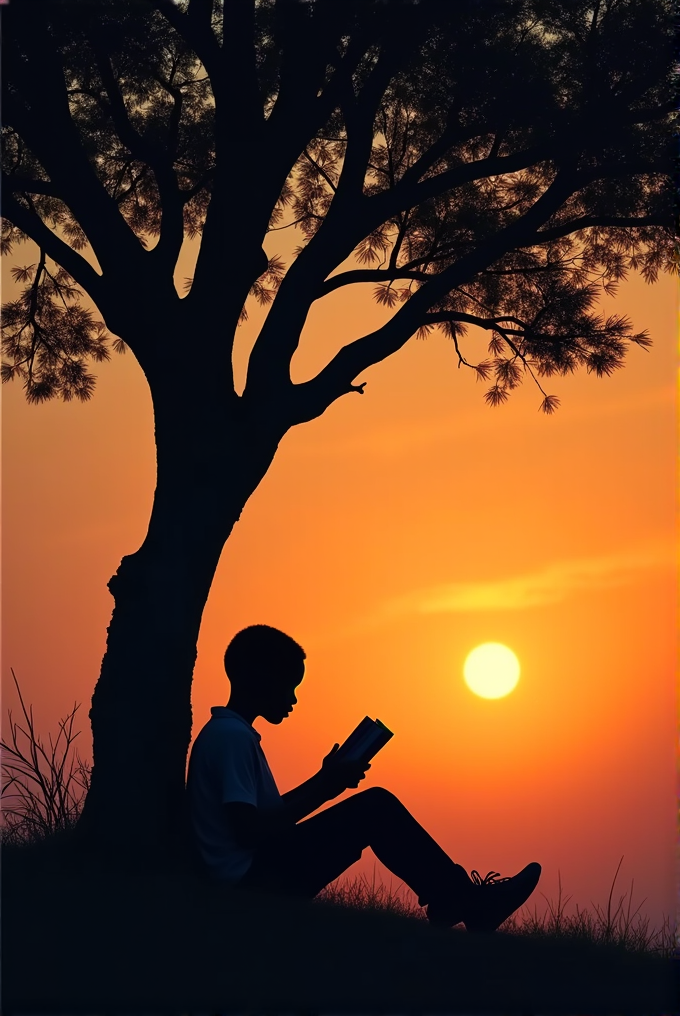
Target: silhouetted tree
[{"x": 492, "y": 164}]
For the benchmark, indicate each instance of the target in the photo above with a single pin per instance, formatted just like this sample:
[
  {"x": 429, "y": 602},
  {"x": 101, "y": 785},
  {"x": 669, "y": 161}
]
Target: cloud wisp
[{"x": 546, "y": 586}]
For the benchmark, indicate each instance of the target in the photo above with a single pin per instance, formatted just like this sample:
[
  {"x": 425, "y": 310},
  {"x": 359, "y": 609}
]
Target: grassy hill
[{"x": 88, "y": 943}]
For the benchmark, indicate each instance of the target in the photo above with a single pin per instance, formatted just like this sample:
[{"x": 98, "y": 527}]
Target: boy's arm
[{"x": 253, "y": 825}]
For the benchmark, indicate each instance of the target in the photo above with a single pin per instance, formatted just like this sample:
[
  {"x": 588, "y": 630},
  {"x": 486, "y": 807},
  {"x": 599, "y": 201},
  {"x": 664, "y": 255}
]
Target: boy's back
[{"x": 226, "y": 765}]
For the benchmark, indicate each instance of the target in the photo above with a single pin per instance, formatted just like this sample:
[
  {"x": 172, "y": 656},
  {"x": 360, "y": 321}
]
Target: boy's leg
[{"x": 316, "y": 851}]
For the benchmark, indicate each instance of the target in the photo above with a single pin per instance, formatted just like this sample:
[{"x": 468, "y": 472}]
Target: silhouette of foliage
[
  {"x": 43, "y": 785},
  {"x": 495, "y": 165},
  {"x": 48, "y": 338}
]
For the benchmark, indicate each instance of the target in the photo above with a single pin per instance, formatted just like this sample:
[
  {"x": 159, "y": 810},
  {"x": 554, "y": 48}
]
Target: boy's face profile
[
  {"x": 264, "y": 667},
  {"x": 276, "y": 695}
]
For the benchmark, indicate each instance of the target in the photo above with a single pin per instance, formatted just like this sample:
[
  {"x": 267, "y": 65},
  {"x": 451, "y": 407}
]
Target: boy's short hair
[{"x": 258, "y": 649}]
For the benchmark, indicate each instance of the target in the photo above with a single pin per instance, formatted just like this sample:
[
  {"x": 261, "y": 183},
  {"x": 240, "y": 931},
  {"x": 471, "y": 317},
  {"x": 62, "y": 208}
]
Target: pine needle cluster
[{"x": 48, "y": 338}]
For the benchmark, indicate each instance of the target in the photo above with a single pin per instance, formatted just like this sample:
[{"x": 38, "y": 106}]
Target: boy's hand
[{"x": 338, "y": 775}]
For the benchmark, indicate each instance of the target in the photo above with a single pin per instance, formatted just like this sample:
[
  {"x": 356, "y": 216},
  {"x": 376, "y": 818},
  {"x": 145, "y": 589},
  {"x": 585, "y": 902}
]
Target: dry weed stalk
[
  {"x": 616, "y": 924},
  {"x": 43, "y": 786},
  {"x": 374, "y": 895}
]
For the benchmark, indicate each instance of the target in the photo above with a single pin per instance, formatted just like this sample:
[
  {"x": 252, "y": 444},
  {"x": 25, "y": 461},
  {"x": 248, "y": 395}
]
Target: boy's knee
[{"x": 380, "y": 798}]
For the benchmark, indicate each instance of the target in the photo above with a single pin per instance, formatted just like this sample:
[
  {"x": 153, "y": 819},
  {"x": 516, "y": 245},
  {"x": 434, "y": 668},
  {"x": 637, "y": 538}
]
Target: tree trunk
[{"x": 208, "y": 465}]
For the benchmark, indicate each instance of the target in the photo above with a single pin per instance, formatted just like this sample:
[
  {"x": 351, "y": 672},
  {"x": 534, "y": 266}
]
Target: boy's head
[{"x": 264, "y": 665}]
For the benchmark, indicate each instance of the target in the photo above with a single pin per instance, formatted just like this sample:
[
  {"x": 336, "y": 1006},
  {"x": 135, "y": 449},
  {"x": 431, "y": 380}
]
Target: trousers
[{"x": 309, "y": 855}]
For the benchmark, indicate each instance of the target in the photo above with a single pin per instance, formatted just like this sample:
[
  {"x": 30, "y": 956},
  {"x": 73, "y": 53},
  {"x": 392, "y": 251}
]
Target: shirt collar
[{"x": 223, "y": 713}]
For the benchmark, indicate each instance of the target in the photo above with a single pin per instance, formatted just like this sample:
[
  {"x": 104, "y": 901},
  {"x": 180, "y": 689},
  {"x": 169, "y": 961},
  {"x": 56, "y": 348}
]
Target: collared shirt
[{"x": 227, "y": 764}]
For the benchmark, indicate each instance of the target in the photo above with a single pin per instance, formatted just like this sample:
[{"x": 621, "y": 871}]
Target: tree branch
[
  {"x": 74, "y": 263},
  {"x": 360, "y": 114},
  {"x": 171, "y": 236},
  {"x": 201, "y": 11},
  {"x": 312, "y": 397},
  {"x": 488, "y": 323},
  {"x": 305, "y": 101},
  {"x": 344, "y": 224},
  {"x": 396, "y": 246},
  {"x": 320, "y": 170},
  {"x": 372, "y": 212},
  {"x": 630, "y": 167},
  {"x": 187, "y": 195},
  {"x": 26, "y": 185},
  {"x": 407, "y": 195},
  {"x": 304, "y": 54},
  {"x": 453, "y": 134},
  {"x": 175, "y": 115},
  {"x": 359, "y": 275},
  {"x": 590, "y": 221},
  {"x": 233, "y": 72},
  {"x": 45, "y": 124},
  {"x": 197, "y": 32},
  {"x": 132, "y": 140}
]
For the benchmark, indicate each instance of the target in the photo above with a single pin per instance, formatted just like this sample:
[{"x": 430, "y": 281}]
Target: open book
[{"x": 364, "y": 742}]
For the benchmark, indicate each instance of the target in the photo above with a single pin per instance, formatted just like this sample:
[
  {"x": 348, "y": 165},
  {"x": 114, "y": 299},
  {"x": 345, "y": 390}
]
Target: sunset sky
[{"x": 390, "y": 537}]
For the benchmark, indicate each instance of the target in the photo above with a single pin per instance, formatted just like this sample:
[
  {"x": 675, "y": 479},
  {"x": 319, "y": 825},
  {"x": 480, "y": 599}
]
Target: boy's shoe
[{"x": 493, "y": 899}]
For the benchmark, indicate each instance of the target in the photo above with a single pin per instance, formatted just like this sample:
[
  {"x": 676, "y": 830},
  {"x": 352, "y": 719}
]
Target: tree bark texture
[{"x": 209, "y": 462}]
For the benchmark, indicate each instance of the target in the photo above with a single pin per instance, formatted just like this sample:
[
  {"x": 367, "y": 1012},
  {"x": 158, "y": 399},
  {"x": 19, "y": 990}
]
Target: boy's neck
[{"x": 246, "y": 710}]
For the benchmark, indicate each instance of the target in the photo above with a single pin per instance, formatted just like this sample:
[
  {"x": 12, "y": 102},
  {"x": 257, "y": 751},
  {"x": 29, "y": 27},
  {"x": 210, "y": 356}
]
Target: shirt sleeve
[{"x": 237, "y": 773}]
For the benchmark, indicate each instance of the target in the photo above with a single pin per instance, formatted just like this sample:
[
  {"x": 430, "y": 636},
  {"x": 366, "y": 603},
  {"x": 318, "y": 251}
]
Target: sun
[{"x": 491, "y": 670}]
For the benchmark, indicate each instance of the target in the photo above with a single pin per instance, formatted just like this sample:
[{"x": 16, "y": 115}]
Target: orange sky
[{"x": 389, "y": 538}]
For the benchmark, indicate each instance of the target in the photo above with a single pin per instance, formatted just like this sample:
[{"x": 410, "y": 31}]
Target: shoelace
[{"x": 491, "y": 877}]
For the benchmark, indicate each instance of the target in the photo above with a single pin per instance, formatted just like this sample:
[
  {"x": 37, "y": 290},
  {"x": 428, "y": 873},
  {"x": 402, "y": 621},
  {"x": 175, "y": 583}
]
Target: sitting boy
[{"x": 250, "y": 834}]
